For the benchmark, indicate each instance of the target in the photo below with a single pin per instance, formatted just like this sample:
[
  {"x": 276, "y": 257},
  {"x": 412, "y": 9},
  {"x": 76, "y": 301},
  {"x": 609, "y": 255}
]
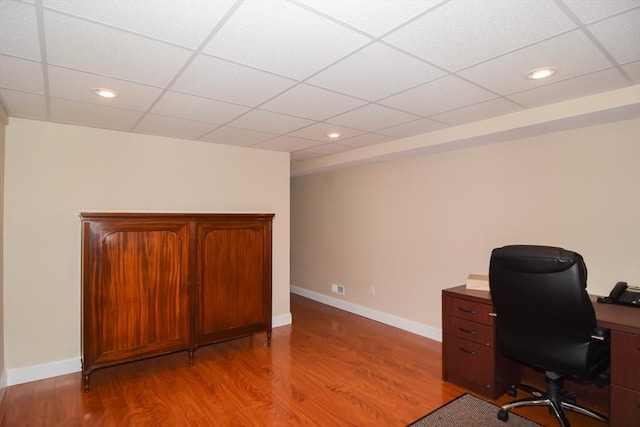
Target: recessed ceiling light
[
  {"x": 541, "y": 73},
  {"x": 333, "y": 135},
  {"x": 105, "y": 93}
]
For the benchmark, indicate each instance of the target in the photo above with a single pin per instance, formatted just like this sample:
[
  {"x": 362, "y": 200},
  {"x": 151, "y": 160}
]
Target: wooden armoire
[{"x": 159, "y": 283}]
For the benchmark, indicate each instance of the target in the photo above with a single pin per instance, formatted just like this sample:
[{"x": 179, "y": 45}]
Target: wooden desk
[{"x": 470, "y": 359}]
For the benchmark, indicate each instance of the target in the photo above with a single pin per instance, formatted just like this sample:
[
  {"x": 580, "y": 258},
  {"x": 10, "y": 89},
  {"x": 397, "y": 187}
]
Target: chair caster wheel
[
  {"x": 503, "y": 415},
  {"x": 512, "y": 391}
]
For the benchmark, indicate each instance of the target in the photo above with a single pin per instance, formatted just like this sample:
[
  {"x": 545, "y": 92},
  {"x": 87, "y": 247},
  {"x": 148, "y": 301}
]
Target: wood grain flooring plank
[{"x": 329, "y": 368}]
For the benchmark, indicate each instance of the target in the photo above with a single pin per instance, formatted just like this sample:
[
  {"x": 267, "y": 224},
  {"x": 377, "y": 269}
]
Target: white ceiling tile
[
  {"x": 190, "y": 107},
  {"x": 179, "y": 128},
  {"x": 483, "y": 110},
  {"x": 465, "y": 32},
  {"x": 287, "y": 143},
  {"x": 375, "y": 72},
  {"x": 372, "y": 117},
  {"x": 236, "y": 136},
  {"x": 593, "y": 10},
  {"x": 19, "y": 30},
  {"x": 319, "y": 132},
  {"x": 80, "y": 113},
  {"x": 366, "y": 140},
  {"x": 115, "y": 53},
  {"x": 415, "y": 127},
  {"x": 633, "y": 70},
  {"x": 139, "y": 47},
  {"x": 325, "y": 103},
  {"x": 78, "y": 86},
  {"x": 23, "y": 104},
  {"x": 438, "y": 96},
  {"x": 577, "y": 87},
  {"x": 225, "y": 81},
  {"x": 376, "y": 17},
  {"x": 277, "y": 43},
  {"x": 572, "y": 54},
  {"x": 620, "y": 35},
  {"x": 266, "y": 121},
  {"x": 21, "y": 74},
  {"x": 161, "y": 19}
]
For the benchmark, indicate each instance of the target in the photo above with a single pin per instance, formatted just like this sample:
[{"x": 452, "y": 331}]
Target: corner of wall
[{"x": 4, "y": 120}]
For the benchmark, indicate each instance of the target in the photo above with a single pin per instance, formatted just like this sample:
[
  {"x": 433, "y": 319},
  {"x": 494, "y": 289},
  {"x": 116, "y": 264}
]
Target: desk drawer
[
  {"x": 470, "y": 310},
  {"x": 625, "y": 407},
  {"x": 625, "y": 360},
  {"x": 471, "y": 331},
  {"x": 471, "y": 362}
]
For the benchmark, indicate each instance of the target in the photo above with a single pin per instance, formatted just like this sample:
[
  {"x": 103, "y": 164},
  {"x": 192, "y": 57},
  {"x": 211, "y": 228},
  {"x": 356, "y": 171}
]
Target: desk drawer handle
[
  {"x": 467, "y": 331},
  {"x": 473, "y": 353},
  {"x": 466, "y": 310}
]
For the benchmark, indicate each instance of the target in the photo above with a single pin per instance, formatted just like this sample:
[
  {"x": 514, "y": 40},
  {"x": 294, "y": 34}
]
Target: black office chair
[{"x": 545, "y": 319}]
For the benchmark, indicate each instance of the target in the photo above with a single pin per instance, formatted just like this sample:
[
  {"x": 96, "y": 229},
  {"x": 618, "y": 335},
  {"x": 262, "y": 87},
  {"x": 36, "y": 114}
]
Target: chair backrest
[{"x": 544, "y": 315}]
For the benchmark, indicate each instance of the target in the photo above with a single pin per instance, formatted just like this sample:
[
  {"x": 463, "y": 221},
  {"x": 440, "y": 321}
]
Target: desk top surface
[{"x": 610, "y": 316}]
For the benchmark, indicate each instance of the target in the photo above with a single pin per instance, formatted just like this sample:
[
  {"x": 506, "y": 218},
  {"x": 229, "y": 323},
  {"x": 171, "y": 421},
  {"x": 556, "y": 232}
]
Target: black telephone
[{"x": 622, "y": 294}]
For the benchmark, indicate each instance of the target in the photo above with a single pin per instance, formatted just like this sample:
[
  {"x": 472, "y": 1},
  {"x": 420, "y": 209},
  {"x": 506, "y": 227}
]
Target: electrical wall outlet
[
  {"x": 337, "y": 289},
  {"x": 372, "y": 289}
]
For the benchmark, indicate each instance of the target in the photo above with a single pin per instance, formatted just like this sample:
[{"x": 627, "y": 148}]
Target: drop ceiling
[{"x": 281, "y": 75}]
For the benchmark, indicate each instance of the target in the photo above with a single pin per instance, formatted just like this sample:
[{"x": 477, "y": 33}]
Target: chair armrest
[{"x": 600, "y": 334}]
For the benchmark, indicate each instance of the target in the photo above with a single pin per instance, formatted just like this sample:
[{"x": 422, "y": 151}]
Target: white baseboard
[
  {"x": 45, "y": 370},
  {"x": 68, "y": 366},
  {"x": 281, "y": 320},
  {"x": 379, "y": 316}
]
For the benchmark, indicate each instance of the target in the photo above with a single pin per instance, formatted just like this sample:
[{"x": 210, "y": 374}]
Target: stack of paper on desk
[{"x": 478, "y": 281}]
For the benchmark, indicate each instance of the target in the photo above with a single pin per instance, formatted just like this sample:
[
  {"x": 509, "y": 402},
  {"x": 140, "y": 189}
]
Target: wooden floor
[{"x": 330, "y": 368}]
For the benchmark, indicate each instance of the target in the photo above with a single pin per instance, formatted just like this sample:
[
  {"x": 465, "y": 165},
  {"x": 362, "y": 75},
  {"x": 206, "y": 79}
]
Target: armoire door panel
[
  {"x": 140, "y": 301},
  {"x": 144, "y": 289},
  {"x": 231, "y": 285}
]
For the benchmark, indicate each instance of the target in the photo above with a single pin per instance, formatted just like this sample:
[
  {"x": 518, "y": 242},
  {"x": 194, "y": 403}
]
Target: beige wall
[
  {"x": 55, "y": 171},
  {"x": 3, "y": 123},
  {"x": 415, "y": 226}
]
